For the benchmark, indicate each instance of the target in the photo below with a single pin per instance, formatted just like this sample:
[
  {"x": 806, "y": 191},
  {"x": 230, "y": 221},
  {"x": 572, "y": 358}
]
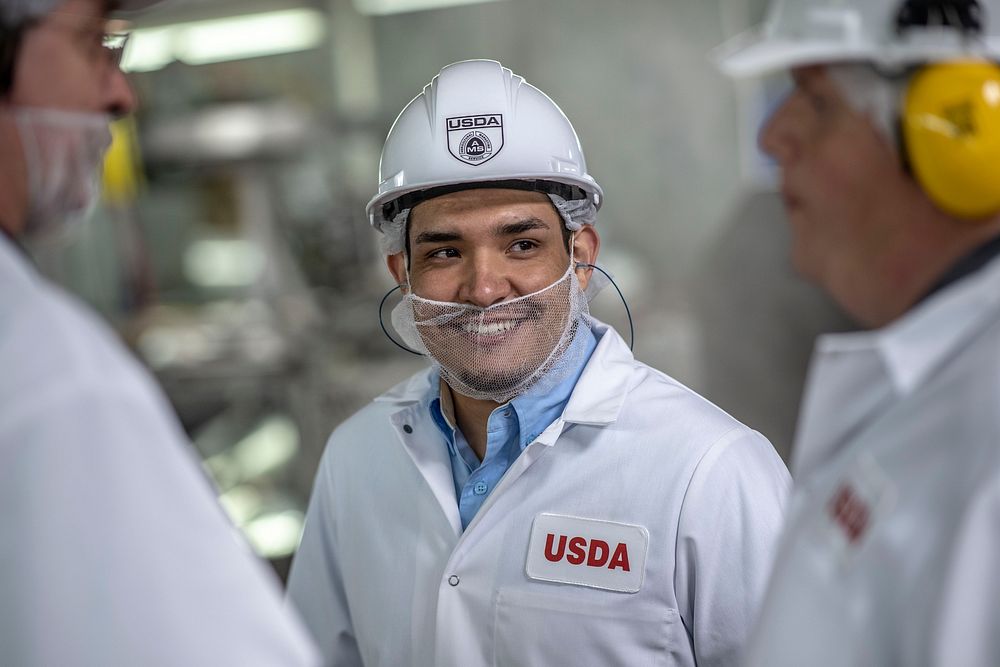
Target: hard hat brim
[
  {"x": 374, "y": 212},
  {"x": 755, "y": 54}
]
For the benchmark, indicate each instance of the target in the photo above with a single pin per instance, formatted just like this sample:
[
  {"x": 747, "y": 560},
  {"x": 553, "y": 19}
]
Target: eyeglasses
[
  {"x": 97, "y": 37},
  {"x": 114, "y": 43}
]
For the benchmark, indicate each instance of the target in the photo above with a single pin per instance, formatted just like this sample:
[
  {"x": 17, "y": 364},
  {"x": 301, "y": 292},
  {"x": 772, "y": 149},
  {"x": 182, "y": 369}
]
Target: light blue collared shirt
[{"x": 510, "y": 428}]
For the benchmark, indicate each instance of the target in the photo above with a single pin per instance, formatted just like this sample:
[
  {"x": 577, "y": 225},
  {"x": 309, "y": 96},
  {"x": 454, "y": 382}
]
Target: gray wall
[{"x": 700, "y": 253}]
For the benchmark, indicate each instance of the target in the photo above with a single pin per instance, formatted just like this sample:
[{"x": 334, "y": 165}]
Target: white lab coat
[
  {"x": 892, "y": 549},
  {"x": 113, "y": 550},
  {"x": 386, "y": 577}
]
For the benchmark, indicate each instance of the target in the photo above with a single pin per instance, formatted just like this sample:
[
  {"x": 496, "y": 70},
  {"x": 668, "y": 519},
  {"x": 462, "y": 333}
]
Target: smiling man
[
  {"x": 889, "y": 146},
  {"x": 537, "y": 497}
]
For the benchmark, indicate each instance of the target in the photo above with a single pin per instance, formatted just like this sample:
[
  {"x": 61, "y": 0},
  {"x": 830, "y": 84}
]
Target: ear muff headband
[{"x": 951, "y": 133}]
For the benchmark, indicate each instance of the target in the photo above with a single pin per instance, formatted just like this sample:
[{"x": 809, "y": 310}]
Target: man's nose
[
  {"x": 119, "y": 99},
  {"x": 777, "y": 138},
  {"x": 486, "y": 283}
]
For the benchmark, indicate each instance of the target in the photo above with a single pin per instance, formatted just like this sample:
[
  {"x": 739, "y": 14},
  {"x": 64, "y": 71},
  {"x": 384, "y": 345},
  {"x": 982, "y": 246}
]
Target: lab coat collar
[
  {"x": 600, "y": 392},
  {"x": 412, "y": 390},
  {"x": 422, "y": 441},
  {"x": 597, "y": 399},
  {"x": 915, "y": 344},
  {"x": 13, "y": 261},
  {"x": 856, "y": 376}
]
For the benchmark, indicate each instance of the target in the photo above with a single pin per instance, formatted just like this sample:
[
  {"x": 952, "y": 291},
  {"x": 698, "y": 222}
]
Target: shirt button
[
  {"x": 506, "y": 413},
  {"x": 453, "y": 580},
  {"x": 407, "y": 428},
  {"x": 480, "y": 488}
]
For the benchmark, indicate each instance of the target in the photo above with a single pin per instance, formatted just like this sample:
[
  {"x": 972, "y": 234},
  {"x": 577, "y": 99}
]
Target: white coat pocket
[{"x": 534, "y": 629}]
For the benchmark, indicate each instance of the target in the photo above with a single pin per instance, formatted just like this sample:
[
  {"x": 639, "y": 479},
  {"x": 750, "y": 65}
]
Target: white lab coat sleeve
[
  {"x": 115, "y": 550},
  {"x": 315, "y": 584},
  {"x": 730, "y": 521},
  {"x": 969, "y": 615}
]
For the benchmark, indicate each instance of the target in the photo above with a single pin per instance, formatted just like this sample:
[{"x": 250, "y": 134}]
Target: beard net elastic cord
[{"x": 498, "y": 352}]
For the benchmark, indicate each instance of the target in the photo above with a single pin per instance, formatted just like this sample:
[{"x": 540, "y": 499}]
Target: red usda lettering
[
  {"x": 577, "y": 551},
  {"x": 597, "y": 554},
  {"x": 620, "y": 558},
  {"x": 551, "y": 554}
]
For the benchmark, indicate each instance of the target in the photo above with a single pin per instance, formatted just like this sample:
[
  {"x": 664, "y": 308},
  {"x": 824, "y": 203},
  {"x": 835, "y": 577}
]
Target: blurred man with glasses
[{"x": 113, "y": 549}]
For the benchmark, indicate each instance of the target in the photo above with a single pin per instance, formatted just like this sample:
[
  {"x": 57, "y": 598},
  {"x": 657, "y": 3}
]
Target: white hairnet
[
  {"x": 575, "y": 213},
  {"x": 15, "y": 12},
  {"x": 873, "y": 94}
]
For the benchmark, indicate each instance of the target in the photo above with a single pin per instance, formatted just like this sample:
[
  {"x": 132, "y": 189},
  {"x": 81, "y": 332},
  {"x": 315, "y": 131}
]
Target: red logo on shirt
[
  {"x": 850, "y": 512},
  {"x": 592, "y": 553}
]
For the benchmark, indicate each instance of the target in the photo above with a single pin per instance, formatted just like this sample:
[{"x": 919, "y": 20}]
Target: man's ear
[
  {"x": 397, "y": 267},
  {"x": 586, "y": 244}
]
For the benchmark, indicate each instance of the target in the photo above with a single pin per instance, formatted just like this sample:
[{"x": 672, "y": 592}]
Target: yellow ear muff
[{"x": 951, "y": 130}]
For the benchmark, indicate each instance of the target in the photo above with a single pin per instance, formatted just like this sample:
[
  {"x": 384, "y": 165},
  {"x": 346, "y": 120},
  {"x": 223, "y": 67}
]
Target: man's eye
[
  {"x": 95, "y": 39},
  {"x": 443, "y": 253},
  {"x": 820, "y": 103},
  {"x": 523, "y": 246}
]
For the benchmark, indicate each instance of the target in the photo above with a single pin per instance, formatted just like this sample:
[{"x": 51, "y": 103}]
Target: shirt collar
[
  {"x": 536, "y": 408},
  {"x": 540, "y": 406},
  {"x": 913, "y": 346},
  {"x": 854, "y": 376}
]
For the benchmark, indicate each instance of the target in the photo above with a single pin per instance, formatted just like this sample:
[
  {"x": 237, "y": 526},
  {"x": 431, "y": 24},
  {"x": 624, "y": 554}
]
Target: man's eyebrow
[
  {"x": 437, "y": 237},
  {"x": 519, "y": 227}
]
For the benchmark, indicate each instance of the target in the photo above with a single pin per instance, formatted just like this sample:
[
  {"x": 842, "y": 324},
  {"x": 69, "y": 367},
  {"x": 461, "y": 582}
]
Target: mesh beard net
[
  {"x": 63, "y": 153},
  {"x": 499, "y": 352}
]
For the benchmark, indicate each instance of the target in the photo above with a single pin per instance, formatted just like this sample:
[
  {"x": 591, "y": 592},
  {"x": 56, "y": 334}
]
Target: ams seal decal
[{"x": 475, "y": 140}]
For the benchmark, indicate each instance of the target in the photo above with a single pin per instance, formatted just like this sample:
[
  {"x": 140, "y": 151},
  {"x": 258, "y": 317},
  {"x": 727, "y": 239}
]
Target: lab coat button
[
  {"x": 407, "y": 428},
  {"x": 453, "y": 580}
]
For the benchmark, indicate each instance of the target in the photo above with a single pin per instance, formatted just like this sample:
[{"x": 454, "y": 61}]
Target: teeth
[{"x": 490, "y": 329}]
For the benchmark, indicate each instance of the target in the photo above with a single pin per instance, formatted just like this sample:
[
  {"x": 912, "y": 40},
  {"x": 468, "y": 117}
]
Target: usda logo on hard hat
[{"x": 475, "y": 139}]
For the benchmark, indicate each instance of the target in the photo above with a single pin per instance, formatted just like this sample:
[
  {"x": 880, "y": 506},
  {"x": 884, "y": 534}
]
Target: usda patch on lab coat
[{"x": 587, "y": 552}]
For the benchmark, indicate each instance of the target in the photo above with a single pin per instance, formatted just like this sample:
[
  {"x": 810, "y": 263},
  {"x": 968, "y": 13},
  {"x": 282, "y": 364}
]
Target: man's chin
[
  {"x": 805, "y": 268},
  {"x": 485, "y": 381}
]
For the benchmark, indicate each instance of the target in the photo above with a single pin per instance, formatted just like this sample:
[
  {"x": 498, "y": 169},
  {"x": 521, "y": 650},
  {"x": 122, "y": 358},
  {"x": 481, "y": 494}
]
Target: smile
[{"x": 494, "y": 329}]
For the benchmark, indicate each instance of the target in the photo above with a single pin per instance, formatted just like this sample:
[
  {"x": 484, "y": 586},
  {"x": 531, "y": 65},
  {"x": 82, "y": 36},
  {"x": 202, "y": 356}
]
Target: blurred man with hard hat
[
  {"x": 889, "y": 147},
  {"x": 538, "y": 496},
  {"x": 113, "y": 549}
]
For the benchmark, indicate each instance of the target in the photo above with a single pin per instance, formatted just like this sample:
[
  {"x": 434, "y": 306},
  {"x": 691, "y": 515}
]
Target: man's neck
[
  {"x": 471, "y": 416},
  {"x": 13, "y": 180},
  {"x": 926, "y": 248}
]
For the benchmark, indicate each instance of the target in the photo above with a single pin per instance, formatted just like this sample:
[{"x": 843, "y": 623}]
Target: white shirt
[
  {"x": 892, "y": 548},
  {"x": 385, "y": 576},
  {"x": 113, "y": 549}
]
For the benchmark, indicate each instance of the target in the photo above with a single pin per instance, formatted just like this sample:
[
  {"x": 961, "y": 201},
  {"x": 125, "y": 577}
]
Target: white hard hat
[
  {"x": 478, "y": 123},
  {"x": 890, "y": 33}
]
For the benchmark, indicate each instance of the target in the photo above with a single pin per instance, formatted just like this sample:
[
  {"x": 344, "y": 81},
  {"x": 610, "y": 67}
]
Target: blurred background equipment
[{"x": 233, "y": 253}]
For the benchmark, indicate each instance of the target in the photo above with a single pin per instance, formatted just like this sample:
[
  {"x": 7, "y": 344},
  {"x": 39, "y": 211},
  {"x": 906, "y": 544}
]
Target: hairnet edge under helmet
[{"x": 575, "y": 213}]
